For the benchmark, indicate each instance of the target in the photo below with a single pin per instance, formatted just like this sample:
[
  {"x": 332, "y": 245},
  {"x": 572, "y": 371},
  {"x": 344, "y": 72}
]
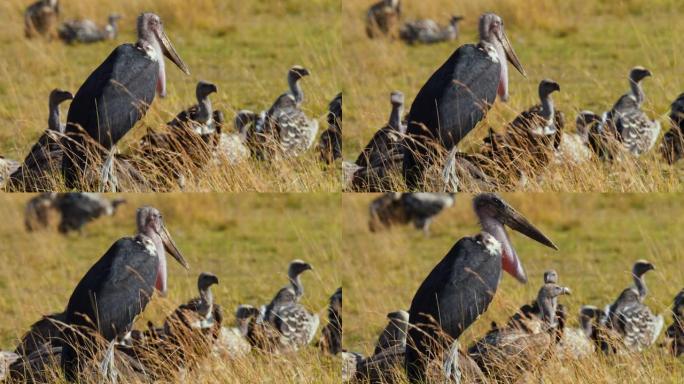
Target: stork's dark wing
[
  {"x": 116, "y": 289},
  {"x": 455, "y": 293},
  {"x": 115, "y": 96},
  {"x": 456, "y": 97},
  {"x": 459, "y": 288}
]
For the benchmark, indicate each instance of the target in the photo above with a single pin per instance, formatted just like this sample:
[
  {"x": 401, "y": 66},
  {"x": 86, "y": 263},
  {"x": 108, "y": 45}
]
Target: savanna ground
[
  {"x": 247, "y": 240},
  {"x": 599, "y": 236},
  {"x": 587, "y": 46},
  {"x": 245, "y": 48}
]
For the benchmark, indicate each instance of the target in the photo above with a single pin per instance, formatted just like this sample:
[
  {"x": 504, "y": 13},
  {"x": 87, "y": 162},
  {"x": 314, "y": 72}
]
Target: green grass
[
  {"x": 244, "y": 48},
  {"x": 247, "y": 240},
  {"x": 599, "y": 236},
  {"x": 588, "y": 46}
]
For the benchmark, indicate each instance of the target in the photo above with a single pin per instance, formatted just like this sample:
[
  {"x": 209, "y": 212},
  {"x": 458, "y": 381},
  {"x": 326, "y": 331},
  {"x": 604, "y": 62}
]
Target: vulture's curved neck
[
  {"x": 547, "y": 106},
  {"x": 295, "y": 88},
  {"x": 395, "y": 117},
  {"x": 640, "y": 283},
  {"x": 297, "y": 285},
  {"x": 637, "y": 92},
  {"x": 53, "y": 118},
  {"x": 204, "y": 108}
]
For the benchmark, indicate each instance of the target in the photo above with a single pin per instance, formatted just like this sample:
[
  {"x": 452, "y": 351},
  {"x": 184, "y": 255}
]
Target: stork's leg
[
  {"x": 109, "y": 180},
  {"x": 451, "y": 369},
  {"x": 450, "y": 179},
  {"x": 108, "y": 372}
]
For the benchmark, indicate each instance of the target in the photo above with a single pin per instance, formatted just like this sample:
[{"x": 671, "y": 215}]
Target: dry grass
[
  {"x": 247, "y": 240},
  {"x": 599, "y": 236},
  {"x": 587, "y": 46},
  {"x": 244, "y": 48}
]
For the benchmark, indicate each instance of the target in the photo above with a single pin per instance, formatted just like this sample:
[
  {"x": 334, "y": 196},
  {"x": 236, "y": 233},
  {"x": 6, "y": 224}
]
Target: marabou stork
[
  {"x": 115, "y": 290},
  {"x": 457, "y": 96},
  {"x": 115, "y": 96},
  {"x": 463, "y": 283}
]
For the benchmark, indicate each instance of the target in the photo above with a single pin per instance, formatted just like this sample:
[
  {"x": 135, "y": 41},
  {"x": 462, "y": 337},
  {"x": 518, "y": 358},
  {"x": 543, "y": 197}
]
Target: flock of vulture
[
  {"x": 117, "y": 94},
  {"x": 424, "y": 342},
  {"x": 454, "y": 100},
  {"x": 93, "y": 337}
]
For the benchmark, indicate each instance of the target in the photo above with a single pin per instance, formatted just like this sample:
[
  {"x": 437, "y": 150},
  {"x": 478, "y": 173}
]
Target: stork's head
[
  {"x": 639, "y": 73},
  {"x": 204, "y": 89},
  {"x": 492, "y": 34},
  {"x": 641, "y": 267},
  {"x": 494, "y": 213},
  {"x": 58, "y": 96},
  {"x": 297, "y": 267},
  {"x": 151, "y": 35},
  {"x": 206, "y": 280},
  {"x": 297, "y": 72},
  {"x": 151, "y": 224}
]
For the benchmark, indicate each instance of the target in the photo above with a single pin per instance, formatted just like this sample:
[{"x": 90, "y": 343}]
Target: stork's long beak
[
  {"x": 171, "y": 248},
  {"x": 510, "y": 54},
  {"x": 519, "y": 223},
  {"x": 170, "y": 52}
]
